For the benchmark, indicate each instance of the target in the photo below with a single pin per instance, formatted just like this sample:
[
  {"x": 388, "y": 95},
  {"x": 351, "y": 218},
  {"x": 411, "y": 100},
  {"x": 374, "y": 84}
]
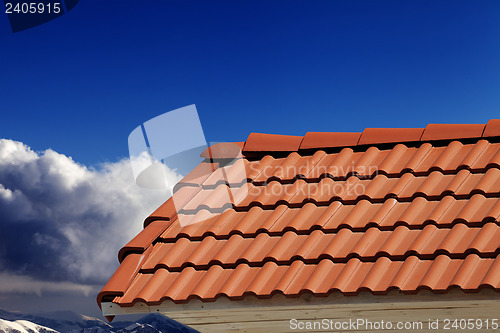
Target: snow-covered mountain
[
  {"x": 64, "y": 321},
  {"x": 70, "y": 322},
  {"x": 22, "y": 326},
  {"x": 155, "y": 323}
]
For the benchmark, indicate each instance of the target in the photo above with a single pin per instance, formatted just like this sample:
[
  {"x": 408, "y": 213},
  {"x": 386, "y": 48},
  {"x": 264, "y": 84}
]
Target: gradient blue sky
[{"x": 81, "y": 83}]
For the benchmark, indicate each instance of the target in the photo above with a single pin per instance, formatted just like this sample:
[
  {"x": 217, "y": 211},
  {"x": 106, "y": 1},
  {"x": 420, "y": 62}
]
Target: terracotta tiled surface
[
  {"x": 340, "y": 246},
  {"x": 379, "y": 277},
  {"x": 419, "y": 160},
  {"x": 408, "y": 209}
]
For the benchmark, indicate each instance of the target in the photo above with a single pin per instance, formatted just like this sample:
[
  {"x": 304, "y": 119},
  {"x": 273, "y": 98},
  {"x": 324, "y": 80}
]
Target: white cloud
[
  {"x": 25, "y": 285},
  {"x": 62, "y": 221}
]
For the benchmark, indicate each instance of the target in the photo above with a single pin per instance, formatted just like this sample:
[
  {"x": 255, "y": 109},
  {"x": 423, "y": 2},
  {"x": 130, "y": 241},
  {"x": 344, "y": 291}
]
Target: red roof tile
[
  {"x": 452, "y": 131},
  {"x": 315, "y": 140},
  {"x": 492, "y": 128},
  {"x": 144, "y": 239},
  {"x": 373, "y": 136},
  {"x": 223, "y": 150},
  {"x": 271, "y": 142},
  {"x": 420, "y": 213}
]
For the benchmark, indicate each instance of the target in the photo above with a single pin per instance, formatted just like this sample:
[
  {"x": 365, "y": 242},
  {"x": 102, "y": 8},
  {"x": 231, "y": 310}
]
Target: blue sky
[{"x": 81, "y": 83}]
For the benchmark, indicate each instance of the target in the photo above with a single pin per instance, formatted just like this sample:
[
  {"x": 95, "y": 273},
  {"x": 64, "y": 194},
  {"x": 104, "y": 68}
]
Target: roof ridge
[{"x": 262, "y": 142}]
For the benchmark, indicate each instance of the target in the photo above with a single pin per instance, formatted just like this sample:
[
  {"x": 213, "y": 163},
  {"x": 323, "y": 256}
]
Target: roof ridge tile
[
  {"x": 492, "y": 128},
  {"x": 372, "y": 136},
  {"x": 318, "y": 140},
  {"x": 260, "y": 142}
]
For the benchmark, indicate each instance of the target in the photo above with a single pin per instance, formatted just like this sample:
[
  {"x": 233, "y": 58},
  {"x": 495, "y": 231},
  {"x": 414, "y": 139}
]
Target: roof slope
[{"x": 405, "y": 209}]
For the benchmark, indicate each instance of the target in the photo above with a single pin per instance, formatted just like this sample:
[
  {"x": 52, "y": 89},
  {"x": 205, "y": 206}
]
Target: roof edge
[
  {"x": 252, "y": 301},
  {"x": 269, "y": 143}
]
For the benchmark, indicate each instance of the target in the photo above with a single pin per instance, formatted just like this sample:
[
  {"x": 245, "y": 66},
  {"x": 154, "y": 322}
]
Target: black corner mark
[
  {"x": 26, "y": 14},
  {"x": 70, "y": 4}
]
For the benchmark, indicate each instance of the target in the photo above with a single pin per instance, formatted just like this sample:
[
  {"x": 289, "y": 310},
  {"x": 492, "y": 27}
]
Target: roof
[{"x": 427, "y": 217}]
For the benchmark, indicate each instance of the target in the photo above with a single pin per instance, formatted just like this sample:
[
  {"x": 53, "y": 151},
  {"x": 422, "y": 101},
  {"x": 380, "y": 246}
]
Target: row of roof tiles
[
  {"x": 327, "y": 190},
  {"x": 426, "y": 243},
  {"x": 388, "y": 215},
  {"x": 419, "y": 160},
  {"x": 476, "y": 157},
  {"x": 258, "y": 142},
  {"x": 322, "y": 278}
]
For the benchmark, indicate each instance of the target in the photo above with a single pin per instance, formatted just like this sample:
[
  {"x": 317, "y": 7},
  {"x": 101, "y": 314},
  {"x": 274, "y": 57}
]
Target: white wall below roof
[{"x": 274, "y": 314}]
